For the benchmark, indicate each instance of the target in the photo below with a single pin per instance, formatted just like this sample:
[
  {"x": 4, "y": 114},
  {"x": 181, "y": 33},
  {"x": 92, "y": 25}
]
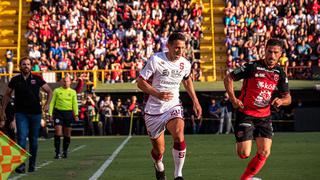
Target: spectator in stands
[
  {"x": 9, "y": 59},
  {"x": 214, "y": 114},
  {"x": 196, "y": 72},
  {"x": 226, "y": 114},
  {"x": 106, "y": 116}
]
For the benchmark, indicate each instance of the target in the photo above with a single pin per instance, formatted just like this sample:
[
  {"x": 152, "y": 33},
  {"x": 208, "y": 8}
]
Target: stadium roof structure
[{"x": 200, "y": 86}]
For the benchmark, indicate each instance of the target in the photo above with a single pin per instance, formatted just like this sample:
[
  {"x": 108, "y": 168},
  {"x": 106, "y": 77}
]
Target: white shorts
[{"x": 156, "y": 124}]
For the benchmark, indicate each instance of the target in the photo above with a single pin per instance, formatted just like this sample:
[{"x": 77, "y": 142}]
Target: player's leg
[
  {"x": 263, "y": 134},
  {"x": 158, "y": 148},
  {"x": 66, "y": 141},
  {"x": 244, "y": 149},
  {"x": 176, "y": 128},
  {"x": 57, "y": 139},
  {"x": 243, "y": 131},
  {"x": 66, "y": 133},
  {"x": 155, "y": 125},
  {"x": 257, "y": 162}
]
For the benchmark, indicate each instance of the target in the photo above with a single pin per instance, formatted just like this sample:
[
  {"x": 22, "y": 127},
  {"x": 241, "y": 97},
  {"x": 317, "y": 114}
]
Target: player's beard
[{"x": 25, "y": 71}]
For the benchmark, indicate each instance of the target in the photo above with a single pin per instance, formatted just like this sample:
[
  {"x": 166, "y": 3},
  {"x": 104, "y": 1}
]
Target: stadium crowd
[
  {"x": 249, "y": 24},
  {"x": 118, "y": 36}
]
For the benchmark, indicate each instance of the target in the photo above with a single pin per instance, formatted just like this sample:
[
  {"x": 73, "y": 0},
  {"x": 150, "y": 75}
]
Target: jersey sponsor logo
[
  {"x": 263, "y": 99},
  {"x": 261, "y": 75},
  {"x": 265, "y": 85},
  {"x": 33, "y": 81},
  {"x": 168, "y": 82},
  {"x": 176, "y": 73},
  {"x": 165, "y": 72},
  {"x": 239, "y": 70}
]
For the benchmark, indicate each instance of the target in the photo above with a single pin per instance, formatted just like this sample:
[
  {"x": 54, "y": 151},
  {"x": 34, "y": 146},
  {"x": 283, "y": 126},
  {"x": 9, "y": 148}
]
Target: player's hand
[
  {"x": 237, "y": 103},
  {"x": 277, "y": 102},
  {"x": 76, "y": 118},
  {"x": 165, "y": 96},
  {"x": 197, "y": 110}
]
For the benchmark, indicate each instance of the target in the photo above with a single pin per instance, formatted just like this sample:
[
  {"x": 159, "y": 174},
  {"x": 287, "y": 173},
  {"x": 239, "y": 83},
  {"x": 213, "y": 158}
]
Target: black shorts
[
  {"x": 63, "y": 118},
  {"x": 248, "y": 127}
]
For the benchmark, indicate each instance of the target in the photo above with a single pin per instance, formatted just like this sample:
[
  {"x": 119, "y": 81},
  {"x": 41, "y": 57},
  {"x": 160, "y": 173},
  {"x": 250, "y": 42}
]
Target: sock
[
  {"x": 157, "y": 159},
  {"x": 254, "y": 166},
  {"x": 179, "y": 154},
  {"x": 66, "y": 142},
  {"x": 57, "y": 143}
]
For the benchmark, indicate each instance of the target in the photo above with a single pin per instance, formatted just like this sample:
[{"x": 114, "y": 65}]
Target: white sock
[
  {"x": 158, "y": 164},
  {"x": 178, "y": 157}
]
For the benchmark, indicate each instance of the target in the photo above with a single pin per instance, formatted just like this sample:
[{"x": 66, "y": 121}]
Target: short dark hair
[
  {"x": 24, "y": 59},
  {"x": 176, "y": 36},
  {"x": 275, "y": 42}
]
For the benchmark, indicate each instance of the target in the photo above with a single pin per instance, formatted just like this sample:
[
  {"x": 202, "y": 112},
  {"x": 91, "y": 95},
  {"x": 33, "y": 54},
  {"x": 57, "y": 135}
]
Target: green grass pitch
[{"x": 294, "y": 156}]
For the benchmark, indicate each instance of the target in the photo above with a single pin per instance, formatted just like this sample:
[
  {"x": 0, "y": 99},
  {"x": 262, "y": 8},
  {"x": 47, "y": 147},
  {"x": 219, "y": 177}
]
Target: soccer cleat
[
  {"x": 255, "y": 178},
  {"x": 179, "y": 178},
  {"x": 31, "y": 169},
  {"x": 160, "y": 175},
  {"x": 57, "y": 156},
  {"x": 65, "y": 155}
]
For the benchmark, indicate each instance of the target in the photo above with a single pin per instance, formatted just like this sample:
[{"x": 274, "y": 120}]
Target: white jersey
[{"x": 165, "y": 76}]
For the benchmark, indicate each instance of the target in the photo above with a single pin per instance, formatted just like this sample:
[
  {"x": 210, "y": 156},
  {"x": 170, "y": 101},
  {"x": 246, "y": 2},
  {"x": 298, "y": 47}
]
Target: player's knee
[
  {"x": 159, "y": 151},
  {"x": 264, "y": 153},
  {"x": 243, "y": 155}
]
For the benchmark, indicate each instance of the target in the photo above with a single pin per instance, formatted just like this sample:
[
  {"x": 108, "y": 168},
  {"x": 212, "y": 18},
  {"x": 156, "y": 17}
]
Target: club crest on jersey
[
  {"x": 33, "y": 81},
  {"x": 276, "y": 77}
]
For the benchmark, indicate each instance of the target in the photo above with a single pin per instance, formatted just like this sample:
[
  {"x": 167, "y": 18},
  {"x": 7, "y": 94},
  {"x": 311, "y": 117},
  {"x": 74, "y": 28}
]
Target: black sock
[
  {"x": 66, "y": 142},
  {"x": 57, "y": 143}
]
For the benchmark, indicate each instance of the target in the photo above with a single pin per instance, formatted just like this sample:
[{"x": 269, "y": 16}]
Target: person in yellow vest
[
  {"x": 284, "y": 62},
  {"x": 63, "y": 110}
]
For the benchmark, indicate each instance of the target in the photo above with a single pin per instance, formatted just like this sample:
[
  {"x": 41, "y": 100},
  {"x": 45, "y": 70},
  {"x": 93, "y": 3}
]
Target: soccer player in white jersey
[{"x": 161, "y": 79}]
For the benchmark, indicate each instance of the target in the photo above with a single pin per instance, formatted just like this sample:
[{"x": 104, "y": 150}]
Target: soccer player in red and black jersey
[{"x": 261, "y": 79}]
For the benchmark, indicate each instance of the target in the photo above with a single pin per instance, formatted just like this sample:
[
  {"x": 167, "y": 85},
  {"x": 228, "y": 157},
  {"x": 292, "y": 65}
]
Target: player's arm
[
  {"x": 48, "y": 90},
  {"x": 283, "y": 86},
  {"x": 147, "y": 88},
  {"x": 75, "y": 107},
  {"x": 188, "y": 85},
  {"x": 52, "y": 103},
  {"x": 239, "y": 73},
  {"x": 284, "y": 100},
  {"x": 228, "y": 84}
]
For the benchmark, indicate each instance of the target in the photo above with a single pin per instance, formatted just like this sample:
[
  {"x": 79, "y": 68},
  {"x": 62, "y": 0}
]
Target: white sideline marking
[
  {"x": 45, "y": 163},
  {"x": 105, "y": 165}
]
